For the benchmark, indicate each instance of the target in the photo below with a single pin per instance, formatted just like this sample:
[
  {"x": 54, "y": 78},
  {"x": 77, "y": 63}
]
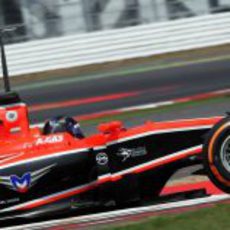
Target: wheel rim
[{"x": 225, "y": 154}]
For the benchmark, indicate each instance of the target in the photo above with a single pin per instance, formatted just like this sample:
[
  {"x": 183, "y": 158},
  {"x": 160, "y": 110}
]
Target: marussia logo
[{"x": 24, "y": 183}]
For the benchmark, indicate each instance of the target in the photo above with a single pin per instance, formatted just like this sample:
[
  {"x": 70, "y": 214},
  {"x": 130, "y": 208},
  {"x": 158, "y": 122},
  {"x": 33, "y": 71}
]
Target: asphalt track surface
[{"x": 96, "y": 95}]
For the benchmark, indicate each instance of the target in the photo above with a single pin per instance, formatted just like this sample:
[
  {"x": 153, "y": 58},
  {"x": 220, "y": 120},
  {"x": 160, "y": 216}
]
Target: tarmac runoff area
[
  {"x": 210, "y": 104},
  {"x": 81, "y": 95}
]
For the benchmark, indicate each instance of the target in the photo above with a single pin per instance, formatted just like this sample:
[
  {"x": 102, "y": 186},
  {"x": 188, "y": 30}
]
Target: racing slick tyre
[{"x": 217, "y": 155}]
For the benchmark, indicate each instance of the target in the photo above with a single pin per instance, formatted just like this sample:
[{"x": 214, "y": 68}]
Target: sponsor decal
[
  {"x": 11, "y": 116},
  {"x": 49, "y": 140},
  {"x": 26, "y": 181},
  {"x": 126, "y": 153},
  {"x": 102, "y": 158}
]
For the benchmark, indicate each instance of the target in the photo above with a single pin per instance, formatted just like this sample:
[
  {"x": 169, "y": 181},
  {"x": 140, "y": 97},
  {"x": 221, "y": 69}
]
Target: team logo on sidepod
[
  {"x": 131, "y": 153},
  {"x": 26, "y": 181}
]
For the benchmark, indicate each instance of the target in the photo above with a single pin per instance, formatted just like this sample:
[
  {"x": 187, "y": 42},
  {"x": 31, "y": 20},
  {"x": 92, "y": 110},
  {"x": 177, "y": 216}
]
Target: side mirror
[{"x": 111, "y": 127}]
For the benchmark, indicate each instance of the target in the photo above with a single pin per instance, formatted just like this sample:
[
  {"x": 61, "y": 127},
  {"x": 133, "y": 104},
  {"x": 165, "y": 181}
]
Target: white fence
[{"x": 133, "y": 42}]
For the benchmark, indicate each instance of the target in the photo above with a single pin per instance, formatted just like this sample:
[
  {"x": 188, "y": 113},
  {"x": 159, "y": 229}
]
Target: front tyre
[{"x": 217, "y": 155}]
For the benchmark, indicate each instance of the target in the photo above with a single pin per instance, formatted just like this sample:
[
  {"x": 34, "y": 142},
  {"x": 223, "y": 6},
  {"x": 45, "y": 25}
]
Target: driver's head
[{"x": 63, "y": 124}]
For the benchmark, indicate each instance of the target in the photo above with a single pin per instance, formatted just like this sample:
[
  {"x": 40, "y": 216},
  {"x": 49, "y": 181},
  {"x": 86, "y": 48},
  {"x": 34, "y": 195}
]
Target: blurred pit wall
[{"x": 37, "y": 19}]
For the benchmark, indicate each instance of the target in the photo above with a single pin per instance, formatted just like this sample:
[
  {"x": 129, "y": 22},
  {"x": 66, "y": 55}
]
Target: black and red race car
[{"x": 47, "y": 173}]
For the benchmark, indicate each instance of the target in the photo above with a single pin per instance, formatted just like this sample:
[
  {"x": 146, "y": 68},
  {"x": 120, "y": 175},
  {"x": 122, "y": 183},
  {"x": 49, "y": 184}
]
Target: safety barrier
[{"x": 119, "y": 44}]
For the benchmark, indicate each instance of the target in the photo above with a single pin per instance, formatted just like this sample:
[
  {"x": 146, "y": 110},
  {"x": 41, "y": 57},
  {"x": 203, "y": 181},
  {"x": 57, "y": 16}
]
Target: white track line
[
  {"x": 120, "y": 213},
  {"x": 173, "y": 102},
  {"x": 147, "y": 106}
]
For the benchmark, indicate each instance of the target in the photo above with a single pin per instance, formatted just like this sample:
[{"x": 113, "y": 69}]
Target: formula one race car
[{"x": 49, "y": 171}]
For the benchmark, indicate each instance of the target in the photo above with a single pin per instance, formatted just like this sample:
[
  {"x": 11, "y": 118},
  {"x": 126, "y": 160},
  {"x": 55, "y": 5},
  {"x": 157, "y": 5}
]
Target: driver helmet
[{"x": 63, "y": 124}]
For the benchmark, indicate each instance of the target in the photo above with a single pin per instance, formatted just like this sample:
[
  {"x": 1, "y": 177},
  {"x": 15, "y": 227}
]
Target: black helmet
[{"x": 63, "y": 124}]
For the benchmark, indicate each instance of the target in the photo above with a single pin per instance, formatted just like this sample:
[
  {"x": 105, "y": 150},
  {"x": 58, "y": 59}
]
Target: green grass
[
  {"x": 214, "y": 218},
  {"x": 164, "y": 109}
]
